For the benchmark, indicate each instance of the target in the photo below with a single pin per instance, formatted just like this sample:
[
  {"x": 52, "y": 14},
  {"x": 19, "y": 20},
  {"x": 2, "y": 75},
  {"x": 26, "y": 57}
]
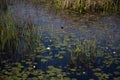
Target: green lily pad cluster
[
  {"x": 102, "y": 76},
  {"x": 56, "y": 73}
]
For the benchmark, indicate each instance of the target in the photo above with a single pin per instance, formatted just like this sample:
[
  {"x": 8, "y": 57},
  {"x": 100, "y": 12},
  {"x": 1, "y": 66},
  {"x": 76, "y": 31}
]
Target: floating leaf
[
  {"x": 73, "y": 70},
  {"x": 96, "y": 70},
  {"x": 43, "y": 60}
]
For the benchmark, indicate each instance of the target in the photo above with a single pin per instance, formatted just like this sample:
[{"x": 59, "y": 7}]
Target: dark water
[
  {"x": 61, "y": 31},
  {"x": 106, "y": 29}
]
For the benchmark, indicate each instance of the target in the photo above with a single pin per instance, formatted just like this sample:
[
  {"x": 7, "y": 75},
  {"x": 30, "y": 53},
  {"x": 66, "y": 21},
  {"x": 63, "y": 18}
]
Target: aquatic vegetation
[
  {"x": 117, "y": 73},
  {"x": 39, "y": 49},
  {"x": 84, "y": 52},
  {"x": 59, "y": 54},
  {"x": 73, "y": 70},
  {"x": 117, "y": 78},
  {"x": 8, "y": 33},
  {"x": 101, "y": 76},
  {"x": 96, "y": 70},
  {"x": 55, "y": 72},
  {"x": 49, "y": 57},
  {"x": 83, "y": 6},
  {"x": 43, "y": 60},
  {"x": 118, "y": 67}
]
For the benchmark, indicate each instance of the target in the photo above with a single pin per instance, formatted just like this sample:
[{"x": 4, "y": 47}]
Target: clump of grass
[
  {"x": 18, "y": 39},
  {"x": 87, "y": 49},
  {"x": 82, "y": 6},
  {"x": 32, "y": 36},
  {"x": 85, "y": 52},
  {"x": 8, "y": 33}
]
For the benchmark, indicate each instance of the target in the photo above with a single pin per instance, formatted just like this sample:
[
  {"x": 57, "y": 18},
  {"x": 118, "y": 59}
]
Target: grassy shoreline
[{"x": 83, "y": 6}]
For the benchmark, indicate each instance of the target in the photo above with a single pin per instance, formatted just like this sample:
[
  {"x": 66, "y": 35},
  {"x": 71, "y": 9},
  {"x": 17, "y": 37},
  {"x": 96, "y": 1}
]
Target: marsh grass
[
  {"x": 32, "y": 36},
  {"x": 83, "y": 6},
  {"x": 85, "y": 52},
  {"x": 8, "y": 33},
  {"x": 12, "y": 35}
]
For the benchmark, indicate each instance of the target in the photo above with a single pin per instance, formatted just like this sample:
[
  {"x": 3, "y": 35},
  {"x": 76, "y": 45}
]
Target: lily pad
[{"x": 43, "y": 60}]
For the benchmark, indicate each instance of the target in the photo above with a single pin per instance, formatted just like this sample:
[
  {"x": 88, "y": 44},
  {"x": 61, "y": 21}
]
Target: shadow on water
[
  {"x": 62, "y": 47},
  {"x": 3, "y": 5}
]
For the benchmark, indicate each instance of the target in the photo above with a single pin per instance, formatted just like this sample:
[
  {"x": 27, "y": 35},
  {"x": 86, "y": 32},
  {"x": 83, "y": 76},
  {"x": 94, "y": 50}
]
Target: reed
[
  {"x": 18, "y": 39},
  {"x": 11, "y": 35},
  {"x": 8, "y": 33},
  {"x": 83, "y": 6},
  {"x": 85, "y": 52}
]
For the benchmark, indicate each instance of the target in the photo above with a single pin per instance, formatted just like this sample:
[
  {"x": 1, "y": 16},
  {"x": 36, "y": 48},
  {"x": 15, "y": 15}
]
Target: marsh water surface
[{"x": 58, "y": 35}]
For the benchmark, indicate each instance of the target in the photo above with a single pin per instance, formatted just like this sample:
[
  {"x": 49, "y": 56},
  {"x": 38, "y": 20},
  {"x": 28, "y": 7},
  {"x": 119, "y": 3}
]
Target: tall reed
[
  {"x": 82, "y": 6},
  {"x": 85, "y": 52},
  {"x": 8, "y": 32}
]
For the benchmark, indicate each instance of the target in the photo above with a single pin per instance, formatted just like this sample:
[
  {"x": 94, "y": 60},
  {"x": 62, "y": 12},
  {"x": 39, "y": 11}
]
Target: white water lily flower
[
  {"x": 48, "y": 48},
  {"x": 114, "y": 52},
  {"x": 106, "y": 47},
  {"x": 84, "y": 72},
  {"x": 50, "y": 40},
  {"x": 34, "y": 66}
]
